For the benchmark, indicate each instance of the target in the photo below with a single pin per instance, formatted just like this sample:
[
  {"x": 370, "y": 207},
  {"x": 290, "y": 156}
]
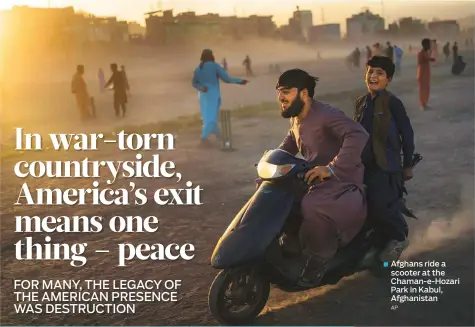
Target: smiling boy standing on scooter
[{"x": 384, "y": 117}]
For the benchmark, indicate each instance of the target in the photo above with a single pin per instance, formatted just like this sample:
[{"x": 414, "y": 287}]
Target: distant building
[
  {"x": 102, "y": 30},
  {"x": 62, "y": 28},
  {"x": 444, "y": 27},
  {"x": 297, "y": 29},
  {"x": 393, "y": 28},
  {"x": 41, "y": 27},
  {"x": 188, "y": 27},
  {"x": 265, "y": 25},
  {"x": 364, "y": 23},
  {"x": 136, "y": 29},
  {"x": 409, "y": 26},
  {"x": 155, "y": 27},
  {"x": 288, "y": 32},
  {"x": 93, "y": 29},
  {"x": 467, "y": 23},
  {"x": 303, "y": 20},
  {"x": 326, "y": 32}
]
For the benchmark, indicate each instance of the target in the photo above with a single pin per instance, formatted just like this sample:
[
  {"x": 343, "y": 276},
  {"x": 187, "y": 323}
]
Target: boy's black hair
[{"x": 385, "y": 63}]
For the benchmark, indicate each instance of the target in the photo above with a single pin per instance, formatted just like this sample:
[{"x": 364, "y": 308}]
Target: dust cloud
[
  {"x": 157, "y": 75},
  {"x": 429, "y": 234},
  {"x": 443, "y": 230},
  {"x": 261, "y": 51}
]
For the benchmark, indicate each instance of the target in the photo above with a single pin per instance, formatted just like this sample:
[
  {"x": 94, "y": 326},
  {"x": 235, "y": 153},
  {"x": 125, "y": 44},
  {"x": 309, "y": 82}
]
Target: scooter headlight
[{"x": 266, "y": 170}]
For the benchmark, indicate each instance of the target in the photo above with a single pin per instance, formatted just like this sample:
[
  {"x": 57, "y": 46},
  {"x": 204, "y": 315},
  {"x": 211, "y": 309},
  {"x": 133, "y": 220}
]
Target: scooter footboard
[{"x": 254, "y": 227}]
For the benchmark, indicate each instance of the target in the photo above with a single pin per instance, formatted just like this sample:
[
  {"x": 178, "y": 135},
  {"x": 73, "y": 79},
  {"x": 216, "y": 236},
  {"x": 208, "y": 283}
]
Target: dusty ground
[
  {"x": 441, "y": 194},
  {"x": 160, "y": 90}
]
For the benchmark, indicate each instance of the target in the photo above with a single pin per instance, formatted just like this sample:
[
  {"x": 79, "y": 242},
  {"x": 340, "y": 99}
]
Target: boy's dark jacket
[{"x": 391, "y": 131}]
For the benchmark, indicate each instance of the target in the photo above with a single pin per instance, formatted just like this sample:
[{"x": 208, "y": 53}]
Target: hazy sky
[{"x": 334, "y": 11}]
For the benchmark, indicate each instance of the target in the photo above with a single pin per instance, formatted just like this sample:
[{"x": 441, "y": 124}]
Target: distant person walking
[
  {"x": 206, "y": 80},
  {"x": 446, "y": 51},
  {"x": 398, "y": 53},
  {"x": 357, "y": 58},
  {"x": 376, "y": 51},
  {"x": 390, "y": 51},
  {"x": 423, "y": 73},
  {"x": 248, "y": 64},
  {"x": 120, "y": 90},
  {"x": 349, "y": 59},
  {"x": 455, "y": 52},
  {"x": 102, "y": 79},
  {"x": 79, "y": 89}
]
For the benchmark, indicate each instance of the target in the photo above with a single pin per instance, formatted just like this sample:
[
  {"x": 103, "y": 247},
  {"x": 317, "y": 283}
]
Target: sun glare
[{"x": 2, "y": 27}]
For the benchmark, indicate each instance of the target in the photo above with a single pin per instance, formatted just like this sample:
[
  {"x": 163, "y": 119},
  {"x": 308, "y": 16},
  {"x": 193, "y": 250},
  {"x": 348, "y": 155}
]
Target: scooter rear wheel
[{"x": 238, "y": 287}]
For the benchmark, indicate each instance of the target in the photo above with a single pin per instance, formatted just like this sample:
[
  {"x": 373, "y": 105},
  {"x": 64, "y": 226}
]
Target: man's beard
[{"x": 294, "y": 109}]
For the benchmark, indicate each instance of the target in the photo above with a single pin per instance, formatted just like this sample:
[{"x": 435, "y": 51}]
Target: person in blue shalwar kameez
[{"x": 206, "y": 80}]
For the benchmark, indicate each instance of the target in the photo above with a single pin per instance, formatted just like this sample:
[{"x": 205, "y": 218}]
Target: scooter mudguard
[{"x": 254, "y": 227}]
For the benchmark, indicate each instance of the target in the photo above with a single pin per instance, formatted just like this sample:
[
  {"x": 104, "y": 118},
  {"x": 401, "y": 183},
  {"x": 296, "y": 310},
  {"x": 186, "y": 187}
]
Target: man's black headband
[{"x": 296, "y": 78}]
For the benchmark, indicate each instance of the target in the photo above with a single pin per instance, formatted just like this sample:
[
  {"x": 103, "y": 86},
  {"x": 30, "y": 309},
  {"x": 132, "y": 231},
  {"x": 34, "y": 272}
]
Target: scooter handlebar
[{"x": 416, "y": 158}]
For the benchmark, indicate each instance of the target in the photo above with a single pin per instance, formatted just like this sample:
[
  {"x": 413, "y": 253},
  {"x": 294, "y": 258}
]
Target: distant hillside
[{"x": 467, "y": 22}]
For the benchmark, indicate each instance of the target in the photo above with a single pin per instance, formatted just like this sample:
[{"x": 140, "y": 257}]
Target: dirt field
[
  {"x": 161, "y": 91},
  {"x": 441, "y": 194}
]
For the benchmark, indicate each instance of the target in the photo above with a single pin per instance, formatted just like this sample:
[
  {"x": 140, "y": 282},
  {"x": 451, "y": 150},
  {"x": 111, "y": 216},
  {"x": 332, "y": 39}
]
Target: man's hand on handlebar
[{"x": 318, "y": 173}]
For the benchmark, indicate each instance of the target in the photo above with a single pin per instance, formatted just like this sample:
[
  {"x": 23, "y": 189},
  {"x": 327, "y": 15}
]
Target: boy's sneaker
[{"x": 393, "y": 250}]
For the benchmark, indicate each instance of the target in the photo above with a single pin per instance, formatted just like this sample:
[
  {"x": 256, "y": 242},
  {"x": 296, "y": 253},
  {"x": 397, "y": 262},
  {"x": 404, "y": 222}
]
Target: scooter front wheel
[{"x": 237, "y": 296}]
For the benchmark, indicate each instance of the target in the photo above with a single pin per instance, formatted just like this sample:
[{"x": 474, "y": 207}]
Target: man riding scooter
[{"x": 334, "y": 209}]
